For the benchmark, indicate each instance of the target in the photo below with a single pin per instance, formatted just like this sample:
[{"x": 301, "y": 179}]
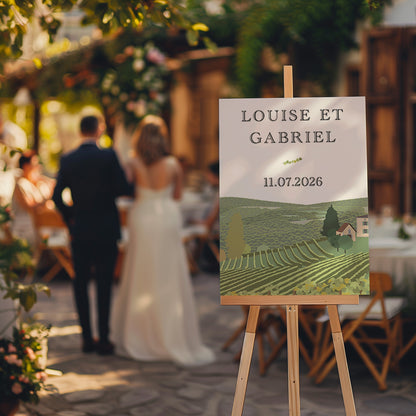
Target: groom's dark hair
[{"x": 89, "y": 125}]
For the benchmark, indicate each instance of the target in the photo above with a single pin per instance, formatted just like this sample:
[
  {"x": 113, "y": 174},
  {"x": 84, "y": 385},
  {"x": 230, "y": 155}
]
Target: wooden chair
[
  {"x": 311, "y": 327},
  {"x": 193, "y": 239},
  {"x": 53, "y": 236},
  {"x": 406, "y": 347},
  {"x": 269, "y": 329},
  {"x": 373, "y": 328}
]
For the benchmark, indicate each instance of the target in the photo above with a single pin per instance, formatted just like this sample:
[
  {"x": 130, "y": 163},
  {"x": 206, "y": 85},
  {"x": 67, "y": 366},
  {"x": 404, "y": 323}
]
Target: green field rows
[{"x": 285, "y": 271}]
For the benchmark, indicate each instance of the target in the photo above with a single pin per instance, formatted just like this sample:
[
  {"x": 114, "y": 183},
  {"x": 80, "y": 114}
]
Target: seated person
[{"x": 32, "y": 196}]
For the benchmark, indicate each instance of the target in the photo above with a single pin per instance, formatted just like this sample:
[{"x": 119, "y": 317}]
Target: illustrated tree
[
  {"x": 334, "y": 240},
  {"x": 247, "y": 249},
  {"x": 234, "y": 241},
  {"x": 331, "y": 222},
  {"x": 345, "y": 242}
]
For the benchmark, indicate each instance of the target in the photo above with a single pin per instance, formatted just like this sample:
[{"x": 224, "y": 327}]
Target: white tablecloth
[{"x": 393, "y": 255}]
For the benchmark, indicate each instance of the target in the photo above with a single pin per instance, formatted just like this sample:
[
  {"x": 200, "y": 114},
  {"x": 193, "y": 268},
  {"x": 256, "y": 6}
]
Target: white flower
[
  {"x": 108, "y": 81},
  {"x": 160, "y": 98},
  {"x": 140, "y": 108},
  {"x": 138, "y": 65}
]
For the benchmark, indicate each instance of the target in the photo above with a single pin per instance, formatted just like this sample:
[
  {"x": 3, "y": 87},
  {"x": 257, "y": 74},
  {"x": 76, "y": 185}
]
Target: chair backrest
[
  {"x": 380, "y": 282},
  {"x": 47, "y": 218}
]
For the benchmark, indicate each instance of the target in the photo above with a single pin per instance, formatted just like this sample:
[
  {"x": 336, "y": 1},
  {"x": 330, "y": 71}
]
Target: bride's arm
[{"x": 129, "y": 170}]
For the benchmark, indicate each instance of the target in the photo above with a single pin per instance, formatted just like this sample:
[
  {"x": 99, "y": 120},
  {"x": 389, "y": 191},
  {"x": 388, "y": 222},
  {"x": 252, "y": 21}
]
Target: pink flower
[
  {"x": 154, "y": 55},
  {"x": 1, "y": 349},
  {"x": 41, "y": 375},
  {"x": 24, "y": 379},
  {"x": 10, "y": 358},
  {"x": 17, "y": 388},
  {"x": 12, "y": 348},
  {"x": 130, "y": 106},
  {"x": 30, "y": 354}
]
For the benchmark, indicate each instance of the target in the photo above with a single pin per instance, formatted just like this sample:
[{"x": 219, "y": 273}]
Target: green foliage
[
  {"x": 16, "y": 262},
  {"x": 313, "y": 32},
  {"x": 402, "y": 234},
  {"x": 107, "y": 15},
  {"x": 21, "y": 375}
]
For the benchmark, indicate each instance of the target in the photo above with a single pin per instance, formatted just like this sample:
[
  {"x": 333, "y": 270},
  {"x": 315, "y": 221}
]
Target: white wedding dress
[{"x": 154, "y": 316}]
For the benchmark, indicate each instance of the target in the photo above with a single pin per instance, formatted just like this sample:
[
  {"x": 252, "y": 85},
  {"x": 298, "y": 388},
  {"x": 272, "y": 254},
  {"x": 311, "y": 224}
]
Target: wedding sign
[{"x": 293, "y": 197}]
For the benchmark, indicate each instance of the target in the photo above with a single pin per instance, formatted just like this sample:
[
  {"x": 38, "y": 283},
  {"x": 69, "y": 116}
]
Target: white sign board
[{"x": 293, "y": 189}]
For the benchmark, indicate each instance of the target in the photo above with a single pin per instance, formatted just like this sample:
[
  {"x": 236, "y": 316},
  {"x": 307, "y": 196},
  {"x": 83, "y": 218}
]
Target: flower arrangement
[
  {"x": 131, "y": 83},
  {"x": 137, "y": 85},
  {"x": 5, "y": 214},
  {"x": 21, "y": 374}
]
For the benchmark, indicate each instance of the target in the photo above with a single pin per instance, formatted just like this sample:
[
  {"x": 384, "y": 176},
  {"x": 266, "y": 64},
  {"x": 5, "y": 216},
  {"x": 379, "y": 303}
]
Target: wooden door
[
  {"x": 382, "y": 86},
  {"x": 409, "y": 91}
]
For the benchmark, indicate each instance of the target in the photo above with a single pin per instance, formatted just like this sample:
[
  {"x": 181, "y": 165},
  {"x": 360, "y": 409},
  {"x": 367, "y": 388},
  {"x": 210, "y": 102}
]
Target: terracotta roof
[{"x": 344, "y": 226}]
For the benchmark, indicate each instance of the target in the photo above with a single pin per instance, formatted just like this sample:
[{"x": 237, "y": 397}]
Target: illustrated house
[
  {"x": 347, "y": 229},
  {"x": 362, "y": 226}
]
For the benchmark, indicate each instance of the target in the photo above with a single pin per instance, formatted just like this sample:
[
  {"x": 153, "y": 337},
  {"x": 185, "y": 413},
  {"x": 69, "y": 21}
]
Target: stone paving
[{"x": 108, "y": 385}]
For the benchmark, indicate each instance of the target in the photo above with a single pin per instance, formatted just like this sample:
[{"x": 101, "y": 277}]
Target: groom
[{"x": 95, "y": 178}]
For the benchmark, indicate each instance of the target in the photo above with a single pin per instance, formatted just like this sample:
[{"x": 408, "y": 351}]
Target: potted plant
[{"x": 22, "y": 374}]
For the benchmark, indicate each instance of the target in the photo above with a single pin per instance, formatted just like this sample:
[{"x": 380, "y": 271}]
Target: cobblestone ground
[{"x": 90, "y": 384}]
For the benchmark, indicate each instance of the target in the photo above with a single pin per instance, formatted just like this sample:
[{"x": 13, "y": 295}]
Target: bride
[{"x": 154, "y": 313}]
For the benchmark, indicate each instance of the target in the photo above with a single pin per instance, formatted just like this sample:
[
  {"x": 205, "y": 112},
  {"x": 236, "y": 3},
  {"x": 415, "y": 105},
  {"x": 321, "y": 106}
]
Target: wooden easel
[{"x": 292, "y": 303}]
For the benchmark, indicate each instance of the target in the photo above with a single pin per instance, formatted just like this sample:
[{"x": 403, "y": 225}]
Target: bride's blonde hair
[{"x": 151, "y": 139}]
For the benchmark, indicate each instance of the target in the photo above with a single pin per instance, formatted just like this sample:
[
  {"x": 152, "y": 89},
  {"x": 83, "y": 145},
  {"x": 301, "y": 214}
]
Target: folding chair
[
  {"x": 53, "y": 236},
  {"x": 312, "y": 330},
  {"x": 373, "y": 328},
  {"x": 406, "y": 347},
  {"x": 268, "y": 319},
  {"x": 194, "y": 237}
]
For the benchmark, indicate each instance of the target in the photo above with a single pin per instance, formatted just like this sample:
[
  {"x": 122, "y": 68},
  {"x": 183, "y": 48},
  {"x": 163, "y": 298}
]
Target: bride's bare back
[{"x": 158, "y": 175}]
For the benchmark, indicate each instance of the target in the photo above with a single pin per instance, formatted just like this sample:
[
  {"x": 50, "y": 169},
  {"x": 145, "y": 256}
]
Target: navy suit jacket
[{"x": 95, "y": 179}]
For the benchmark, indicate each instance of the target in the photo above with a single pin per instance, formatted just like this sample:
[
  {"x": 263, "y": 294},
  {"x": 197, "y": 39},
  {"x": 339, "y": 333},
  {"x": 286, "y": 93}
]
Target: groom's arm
[
  {"x": 61, "y": 184},
  {"x": 121, "y": 186}
]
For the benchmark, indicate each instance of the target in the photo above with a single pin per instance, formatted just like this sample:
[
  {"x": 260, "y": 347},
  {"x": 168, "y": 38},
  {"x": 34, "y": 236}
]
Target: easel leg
[
  {"x": 246, "y": 354},
  {"x": 293, "y": 359},
  {"x": 341, "y": 358}
]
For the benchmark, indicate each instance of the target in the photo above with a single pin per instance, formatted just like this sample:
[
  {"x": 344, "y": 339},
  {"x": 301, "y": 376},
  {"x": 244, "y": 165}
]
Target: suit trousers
[{"x": 94, "y": 259}]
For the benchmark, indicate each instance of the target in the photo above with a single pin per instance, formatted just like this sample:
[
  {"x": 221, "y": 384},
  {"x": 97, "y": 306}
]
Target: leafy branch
[{"x": 108, "y": 15}]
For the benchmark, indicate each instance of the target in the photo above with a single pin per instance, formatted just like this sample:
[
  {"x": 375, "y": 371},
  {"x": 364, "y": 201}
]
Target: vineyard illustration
[{"x": 272, "y": 248}]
